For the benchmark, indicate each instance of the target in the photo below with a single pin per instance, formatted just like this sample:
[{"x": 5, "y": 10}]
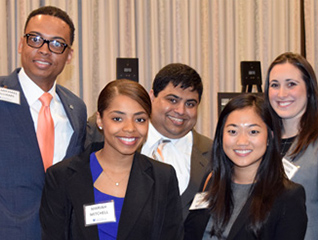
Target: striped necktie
[{"x": 157, "y": 153}]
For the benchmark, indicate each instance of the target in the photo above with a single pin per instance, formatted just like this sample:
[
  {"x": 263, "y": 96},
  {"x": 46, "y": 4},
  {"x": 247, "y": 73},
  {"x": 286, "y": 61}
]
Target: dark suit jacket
[
  {"x": 200, "y": 158},
  {"x": 21, "y": 172},
  {"x": 287, "y": 219},
  {"x": 151, "y": 208}
]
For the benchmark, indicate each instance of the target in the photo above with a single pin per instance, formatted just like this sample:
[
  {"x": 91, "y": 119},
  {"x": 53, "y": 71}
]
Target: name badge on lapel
[
  {"x": 290, "y": 168},
  {"x": 99, "y": 213},
  {"x": 9, "y": 95},
  {"x": 199, "y": 202}
]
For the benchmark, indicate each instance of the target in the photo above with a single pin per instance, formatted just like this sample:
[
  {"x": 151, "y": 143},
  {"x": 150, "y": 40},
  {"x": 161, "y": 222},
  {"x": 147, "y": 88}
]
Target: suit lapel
[
  {"x": 82, "y": 192},
  {"x": 140, "y": 184},
  {"x": 198, "y": 166},
  {"x": 69, "y": 109}
]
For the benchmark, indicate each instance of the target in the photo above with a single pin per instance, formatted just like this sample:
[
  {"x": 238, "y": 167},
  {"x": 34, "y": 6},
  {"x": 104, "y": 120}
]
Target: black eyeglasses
[{"x": 36, "y": 41}]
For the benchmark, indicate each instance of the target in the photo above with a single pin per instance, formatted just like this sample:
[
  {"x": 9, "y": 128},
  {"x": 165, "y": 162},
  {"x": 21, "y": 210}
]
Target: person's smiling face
[
  {"x": 40, "y": 64},
  {"x": 174, "y": 111},
  {"x": 245, "y": 139},
  {"x": 125, "y": 125},
  {"x": 287, "y": 91}
]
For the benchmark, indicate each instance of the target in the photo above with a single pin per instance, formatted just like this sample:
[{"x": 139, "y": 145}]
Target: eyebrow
[
  {"x": 288, "y": 79},
  {"x": 235, "y": 125},
  {"x": 291, "y": 79},
  {"x": 53, "y": 38},
  {"x": 231, "y": 125},
  {"x": 139, "y": 113},
  {"x": 175, "y": 96},
  {"x": 123, "y": 113}
]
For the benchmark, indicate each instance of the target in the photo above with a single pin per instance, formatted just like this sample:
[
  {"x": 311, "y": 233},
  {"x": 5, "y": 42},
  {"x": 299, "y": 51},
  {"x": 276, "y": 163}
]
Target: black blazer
[
  {"x": 151, "y": 209},
  {"x": 200, "y": 156},
  {"x": 287, "y": 219}
]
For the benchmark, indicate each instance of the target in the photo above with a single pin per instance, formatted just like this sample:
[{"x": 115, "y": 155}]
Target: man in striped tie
[{"x": 176, "y": 94}]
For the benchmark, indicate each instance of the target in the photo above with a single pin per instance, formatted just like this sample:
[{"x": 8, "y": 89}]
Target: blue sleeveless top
[{"x": 106, "y": 231}]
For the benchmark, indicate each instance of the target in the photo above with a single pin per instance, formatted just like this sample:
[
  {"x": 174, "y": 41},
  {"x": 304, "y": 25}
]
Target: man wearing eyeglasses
[{"x": 29, "y": 100}]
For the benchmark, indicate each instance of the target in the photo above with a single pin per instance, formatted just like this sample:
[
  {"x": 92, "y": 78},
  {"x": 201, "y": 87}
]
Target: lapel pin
[{"x": 71, "y": 107}]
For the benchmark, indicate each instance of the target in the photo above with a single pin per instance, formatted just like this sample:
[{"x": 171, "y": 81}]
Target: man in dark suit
[
  {"x": 175, "y": 95},
  {"x": 45, "y": 48}
]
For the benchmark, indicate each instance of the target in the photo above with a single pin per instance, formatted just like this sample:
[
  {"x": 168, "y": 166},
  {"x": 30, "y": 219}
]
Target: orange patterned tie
[
  {"x": 45, "y": 131},
  {"x": 157, "y": 153}
]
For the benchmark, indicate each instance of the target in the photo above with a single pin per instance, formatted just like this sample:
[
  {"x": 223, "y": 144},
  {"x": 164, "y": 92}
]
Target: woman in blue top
[{"x": 111, "y": 191}]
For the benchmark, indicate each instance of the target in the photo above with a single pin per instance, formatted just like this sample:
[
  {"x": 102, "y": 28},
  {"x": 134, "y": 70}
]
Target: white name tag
[
  {"x": 290, "y": 168},
  {"x": 9, "y": 95},
  {"x": 199, "y": 202},
  {"x": 99, "y": 213}
]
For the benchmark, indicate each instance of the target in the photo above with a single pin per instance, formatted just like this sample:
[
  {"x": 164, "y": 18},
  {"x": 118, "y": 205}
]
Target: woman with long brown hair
[{"x": 292, "y": 93}]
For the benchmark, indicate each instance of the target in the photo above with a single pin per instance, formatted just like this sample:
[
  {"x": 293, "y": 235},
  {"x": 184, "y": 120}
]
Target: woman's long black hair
[{"x": 270, "y": 174}]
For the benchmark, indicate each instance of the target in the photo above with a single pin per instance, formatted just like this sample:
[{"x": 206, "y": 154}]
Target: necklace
[{"x": 116, "y": 182}]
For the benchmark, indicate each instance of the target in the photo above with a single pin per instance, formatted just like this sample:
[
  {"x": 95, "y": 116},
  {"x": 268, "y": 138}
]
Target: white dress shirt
[
  {"x": 62, "y": 126},
  {"x": 176, "y": 153}
]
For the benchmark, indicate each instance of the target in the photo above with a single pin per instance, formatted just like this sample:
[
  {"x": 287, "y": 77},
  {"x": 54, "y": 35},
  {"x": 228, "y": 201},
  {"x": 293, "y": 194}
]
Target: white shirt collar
[
  {"x": 178, "y": 154},
  {"x": 153, "y": 136},
  {"x": 32, "y": 92},
  {"x": 156, "y": 136}
]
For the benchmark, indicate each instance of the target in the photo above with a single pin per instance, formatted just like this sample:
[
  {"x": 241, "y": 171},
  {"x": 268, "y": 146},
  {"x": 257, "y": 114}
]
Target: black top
[
  {"x": 285, "y": 145},
  {"x": 287, "y": 219},
  {"x": 151, "y": 209}
]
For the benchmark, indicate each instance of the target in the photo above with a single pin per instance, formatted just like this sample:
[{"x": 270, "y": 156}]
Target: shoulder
[
  {"x": 312, "y": 149},
  {"x": 154, "y": 168},
  {"x": 199, "y": 137},
  {"x": 64, "y": 90},
  {"x": 202, "y": 142},
  {"x": 288, "y": 215},
  {"x": 147, "y": 162},
  {"x": 292, "y": 197},
  {"x": 293, "y": 190},
  {"x": 65, "y": 168},
  {"x": 65, "y": 93},
  {"x": 73, "y": 105},
  {"x": 7, "y": 80},
  {"x": 201, "y": 150},
  {"x": 307, "y": 159},
  {"x": 2, "y": 79}
]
